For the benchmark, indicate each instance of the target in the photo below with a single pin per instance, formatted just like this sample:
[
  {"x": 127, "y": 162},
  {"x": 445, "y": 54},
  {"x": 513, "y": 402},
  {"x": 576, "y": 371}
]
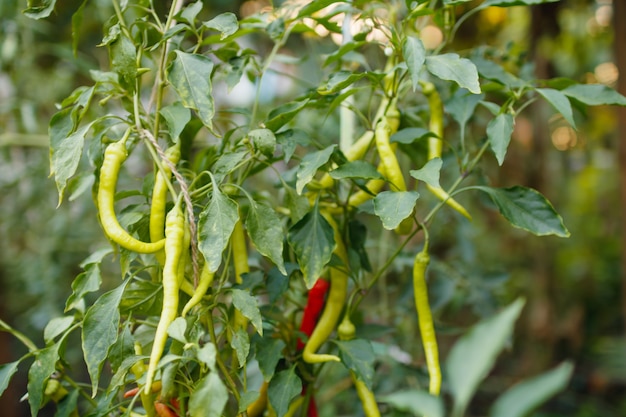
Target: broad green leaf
[
  {"x": 190, "y": 75},
  {"x": 240, "y": 342},
  {"x": 414, "y": 55},
  {"x": 209, "y": 397},
  {"x": 595, "y": 95},
  {"x": 559, "y": 101},
  {"x": 263, "y": 140},
  {"x": 86, "y": 282},
  {"x": 39, "y": 9},
  {"x": 392, "y": 207},
  {"x": 225, "y": 23},
  {"x": 523, "y": 398},
  {"x": 313, "y": 241},
  {"x": 297, "y": 204},
  {"x": 176, "y": 117},
  {"x": 65, "y": 156},
  {"x": 124, "y": 60},
  {"x": 177, "y": 329},
  {"x": 247, "y": 399},
  {"x": 356, "y": 169},
  {"x": 226, "y": 163},
  {"x": 358, "y": 356},
  {"x": 338, "y": 81},
  {"x": 527, "y": 209},
  {"x": 473, "y": 356},
  {"x": 268, "y": 353},
  {"x": 99, "y": 333},
  {"x": 429, "y": 173},
  {"x": 281, "y": 115},
  {"x": 190, "y": 12},
  {"x": 289, "y": 139},
  {"x": 510, "y": 3},
  {"x": 249, "y": 307},
  {"x": 309, "y": 166},
  {"x": 67, "y": 405},
  {"x": 266, "y": 232},
  {"x": 55, "y": 327},
  {"x": 39, "y": 372},
  {"x": 499, "y": 131},
  {"x": 409, "y": 135},
  {"x": 277, "y": 283},
  {"x": 7, "y": 370},
  {"x": 77, "y": 21},
  {"x": 454, "y": 68},
  {"x": 207, "y": 354},
  {"x": 494, "y": 72},
  {"x": 284, "y": 387},
  {"x": 418, "y": 403},
  {"x": 215, "y": 225},
  {"x": 463, "y": 105}
]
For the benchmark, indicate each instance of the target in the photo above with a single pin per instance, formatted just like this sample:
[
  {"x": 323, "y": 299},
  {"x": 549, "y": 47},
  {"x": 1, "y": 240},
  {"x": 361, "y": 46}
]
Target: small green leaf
[
  {"x": 313, "y": 241},
  {"x": 249, "y": 307},
  {"x": 55, "y": 327},
  {"x": 7, "y": 370},
  {"x": 124, "y": 60},
  {"x": 209, "y": 397},
  {"x": 215, "y": 225},
  {"x": 414, "y": 55},
  {"x": 67, "y": 405},
  {"x": 99, "y": 333},
  {"x": 39, "y": 9},
  {"x": 226, "y": 163},
  {"x": 527, "y": 395},
  {"x": 281, "y": 115},
  {"x": 463, "y": 105},
  {"x": 177, "y": 330},
  {"x": 266, "y": 232},
  {"x": 356, "y": 169},
  {"x": 77, "y": 21},
  {"x": 559, "y": 101},
  {"x": 309, "y": 166},
  {"x": 595, "y": 95},
  {"x": 263, "y": 140},
  {"x": 39, "y": 372},
  {"x": 225, "y": 23},
  {"x": 190, "y": 12},
  {"x": 454, "y": 68},
  {"x": 527, "y": 209},
  {"x": 86, "y": 282},
  {"x": 190, "y": 75},
  {"x": 418, "y": 403},
  {"x": 358, "y": 356},
  {"x": 340, "y": 80},
  {"x": 282, "y": 389},
  {"x": 429, "y": 173},
  {"x": 394, "y": 206},
  {"x": 499, "y": 131},
  {"x": 207, "y": 354},
  {"x": 473, "y": 356},
  {"x": 409, "y": 135},
  {"x": 241, "y": 344},
  {"x": 269, "y": 353},
  {"x": 176, "y": 117}
]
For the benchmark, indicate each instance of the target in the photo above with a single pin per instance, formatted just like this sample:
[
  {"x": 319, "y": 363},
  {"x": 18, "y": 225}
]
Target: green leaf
[
  {"x": 39, "y": 9},
  {"x": 311, "y": 7},
  {"x": 124, "y": 60},
  {"x": 494, "y": 72},
  {"x": 7, "y": 370},
  {"x": 176, "y": 117},
  {"x": 499, "y": 131},
  {"x": 249, "y": 307},
  {"x": 39, "y": 372},
  {"x": 77, "y": 20},
  {"x": 263, "y": 140},
  {"x": 559, "y": 101},
  {"x": 358, "y": 356},
  {"x": 240, "y": 342},
  {"x": 189, "y": 13},
  {"x": 89, "y": 280},
  {"x": 343, "y": 50},
  {"x": 190, "y": 75},
  {"x": 463, "y": 105},
  {"x": 290, "y": 138},
  {"x": 527, "y": 395},
  {"x": 473, "y": 356},
  {"x": 226, "y": 164},
  {"x": 454, "y": 68},
  {"x": 409, "y": 135},
  {"x": 418, "y": 403},
  {"x": 67, "y": 405},
  {"x": 55, "y": 327},
  {"x": 309, "y": 166},
  {"x": 394, "y": 206},
  {"x": 313, "y": 241},
  {"x": 99, "y": 333},
  {"x": 527, "y": 209},
  {"x": 595, "y": 95},
  {"x": 281, "y": 115},
  {"x": 215, "y": 225},
  {"x": 209, "y": 397},
  {"x": 356, "y": 169},
  {"x": 339, "y": 80},
  {"x": 282, "y": 389},
  {"x": 509, "y": 3},
  {"x": 269, "y": 353},
  {"x": 266, "y": 232},
  {"x": 207, "y": 354},
  {"x": 225, "y": 23},
  {"x": 429, "y": 173},
  {"x": 414, "y": 55},
  {"x": 177, "y": 329}
]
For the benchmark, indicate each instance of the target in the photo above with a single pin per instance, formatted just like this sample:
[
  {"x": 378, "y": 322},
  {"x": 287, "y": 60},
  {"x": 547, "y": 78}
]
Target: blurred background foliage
[{"x": 573, "y": 286}]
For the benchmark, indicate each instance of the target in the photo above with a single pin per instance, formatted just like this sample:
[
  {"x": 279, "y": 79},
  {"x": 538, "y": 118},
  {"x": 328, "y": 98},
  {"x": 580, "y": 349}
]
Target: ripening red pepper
[{"x": 313, "y": 309}]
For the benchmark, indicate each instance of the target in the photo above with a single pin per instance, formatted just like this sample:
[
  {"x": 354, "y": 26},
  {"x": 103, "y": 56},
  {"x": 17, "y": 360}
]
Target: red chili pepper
[
  {"x": 163, "y": 410},
  {"x": 312, "y": 411},
  {"x": 313, "y": 309}
]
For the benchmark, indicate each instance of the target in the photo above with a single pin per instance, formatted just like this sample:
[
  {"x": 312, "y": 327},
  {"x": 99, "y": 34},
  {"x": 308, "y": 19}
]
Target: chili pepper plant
[{"x": 288, "y": 174}]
